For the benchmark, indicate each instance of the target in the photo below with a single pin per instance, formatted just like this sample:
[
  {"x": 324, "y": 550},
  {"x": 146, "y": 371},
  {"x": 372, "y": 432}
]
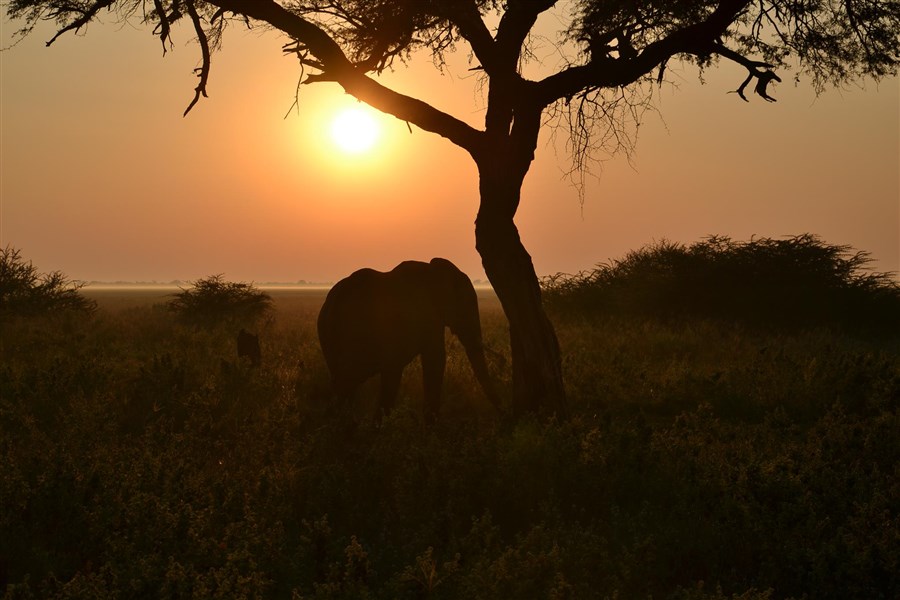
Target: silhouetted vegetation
[
  {"x": 25, "y": 291},
  {"x": 214, "y": 301},
  {"x": 788, "y": 283},
  {"x": 701, "y": 462},
  {"x": 597, "y": 85}
]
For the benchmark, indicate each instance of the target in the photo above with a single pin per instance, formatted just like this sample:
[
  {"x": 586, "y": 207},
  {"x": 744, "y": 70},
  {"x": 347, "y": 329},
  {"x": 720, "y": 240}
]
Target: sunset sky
[{"x": 104, "y": 179}]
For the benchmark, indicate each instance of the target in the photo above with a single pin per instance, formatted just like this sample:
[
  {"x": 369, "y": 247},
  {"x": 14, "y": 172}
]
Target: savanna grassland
[{"x": 705, "y": 458}]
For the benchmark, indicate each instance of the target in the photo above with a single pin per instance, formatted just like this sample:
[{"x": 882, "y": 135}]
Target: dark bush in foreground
[
  {"x": 795, "y": 282},
  {"x": 24, "y": 291},
  {"x": 213, "y": 301}
]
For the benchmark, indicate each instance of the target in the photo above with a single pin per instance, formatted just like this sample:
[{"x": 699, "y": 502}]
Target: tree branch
[
  {"x": 203, "y": 70},
  {"x": 163, "y": 27},
  {"x": 412, "y": 110},
  {"x": 85, "y": 18},
  {"x": 472, "y": 28},
  {"x": 605, "y": 71},
  {"x": 515, "y": 25},
  {"x": 317, "y": 41},
  {"x": 337, "y": 67},
  {"x": 505, "y": 100},
  {"x": 753, "y": 67}
]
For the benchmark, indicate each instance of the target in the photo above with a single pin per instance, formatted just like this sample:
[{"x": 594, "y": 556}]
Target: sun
[{"x": 354, "y": 130}]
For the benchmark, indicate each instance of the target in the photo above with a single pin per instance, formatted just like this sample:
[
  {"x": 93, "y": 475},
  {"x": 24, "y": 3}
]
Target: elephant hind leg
[
  {"x": 344, "y": 382},
  {"x": 433, "y": 364},
  {"x": 390, "y": 386},
  {"x": 342, "y": 400}
]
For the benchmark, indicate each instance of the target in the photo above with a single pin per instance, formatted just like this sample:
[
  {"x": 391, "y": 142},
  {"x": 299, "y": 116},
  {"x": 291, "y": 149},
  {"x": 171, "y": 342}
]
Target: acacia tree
[{"x": 611, "y": 49}]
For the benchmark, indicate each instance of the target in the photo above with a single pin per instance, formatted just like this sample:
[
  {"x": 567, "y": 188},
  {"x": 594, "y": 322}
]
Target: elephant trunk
[{"x": 475, "y": 352}]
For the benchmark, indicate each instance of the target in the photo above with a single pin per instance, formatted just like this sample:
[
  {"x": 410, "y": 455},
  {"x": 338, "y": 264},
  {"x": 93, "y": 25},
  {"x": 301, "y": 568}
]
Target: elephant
[{"x": 376, "y": 323}]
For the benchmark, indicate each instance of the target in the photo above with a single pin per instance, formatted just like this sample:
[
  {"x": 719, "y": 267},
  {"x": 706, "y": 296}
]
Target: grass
[{"x": 704, "y": 460}]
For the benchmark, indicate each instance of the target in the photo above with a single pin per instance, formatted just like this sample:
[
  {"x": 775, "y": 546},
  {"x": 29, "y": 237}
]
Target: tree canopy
[{"x": 606, "y": 43}]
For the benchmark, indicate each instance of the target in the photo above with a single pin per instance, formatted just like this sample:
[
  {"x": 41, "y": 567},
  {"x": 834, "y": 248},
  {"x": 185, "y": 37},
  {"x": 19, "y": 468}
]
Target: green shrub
[
  {"x": 213, "y": 301},
  {"x": 24, "y": 291},
  {"x": 791, "y": 283}
]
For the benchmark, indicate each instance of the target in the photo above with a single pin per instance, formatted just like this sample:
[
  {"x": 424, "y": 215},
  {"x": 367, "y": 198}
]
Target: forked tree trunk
[{"x": 536, "y": 363}]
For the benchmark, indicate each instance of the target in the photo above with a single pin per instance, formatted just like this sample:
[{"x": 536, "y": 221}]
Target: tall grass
[{"x": 702, "y": 461}]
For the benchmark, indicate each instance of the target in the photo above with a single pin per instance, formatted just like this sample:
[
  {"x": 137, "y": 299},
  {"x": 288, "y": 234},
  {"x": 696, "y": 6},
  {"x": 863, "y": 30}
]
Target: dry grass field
[{"x": 704, "y": 459}]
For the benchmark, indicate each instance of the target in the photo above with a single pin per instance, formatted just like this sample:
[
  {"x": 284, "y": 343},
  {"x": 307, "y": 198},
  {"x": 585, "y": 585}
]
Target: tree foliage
[
  {"x": 25, "y": 291},
  {"x": 605, "y": 44},
  {"x": 213, "y": 301}
]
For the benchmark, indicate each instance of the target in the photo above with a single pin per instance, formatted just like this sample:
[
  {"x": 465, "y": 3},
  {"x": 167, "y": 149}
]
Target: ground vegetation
[{"x": 703, "y": 460}]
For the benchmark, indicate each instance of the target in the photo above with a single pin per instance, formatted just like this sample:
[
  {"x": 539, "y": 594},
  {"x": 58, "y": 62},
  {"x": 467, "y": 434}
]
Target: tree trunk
[{"x": 536, "y": 363}]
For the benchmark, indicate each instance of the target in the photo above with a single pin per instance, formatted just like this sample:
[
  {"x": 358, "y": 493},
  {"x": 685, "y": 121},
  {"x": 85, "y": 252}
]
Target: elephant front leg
[
  {"x": 390, "y": 386},
  {"x": 433, "y": 362}
]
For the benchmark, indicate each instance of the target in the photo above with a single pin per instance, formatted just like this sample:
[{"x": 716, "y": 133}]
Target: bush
[
  {"x": 213, "y": 301},
  {"x": 796, "y": 282},
  {"x": 24, "y": 291}
]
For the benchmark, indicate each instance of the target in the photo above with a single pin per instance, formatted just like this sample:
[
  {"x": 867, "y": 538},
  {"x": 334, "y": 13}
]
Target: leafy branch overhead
[{"x": 605, "y": 44}]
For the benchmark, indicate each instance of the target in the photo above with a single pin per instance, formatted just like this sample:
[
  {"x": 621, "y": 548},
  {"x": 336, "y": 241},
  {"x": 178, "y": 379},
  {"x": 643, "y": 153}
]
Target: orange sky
[{"x": 102, "y": 178}]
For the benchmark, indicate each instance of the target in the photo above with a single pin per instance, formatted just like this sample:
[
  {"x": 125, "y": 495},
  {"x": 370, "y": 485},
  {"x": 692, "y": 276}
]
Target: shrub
[
  {"x": 24, "y": 291},
  {"x": 213, "y": 301},
  {"x": 797, "y": 282}
]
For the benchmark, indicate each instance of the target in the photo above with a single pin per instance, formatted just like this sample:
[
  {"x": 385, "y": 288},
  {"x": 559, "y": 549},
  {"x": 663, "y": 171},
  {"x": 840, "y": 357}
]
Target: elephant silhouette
[{"x": 376, "y": 323}]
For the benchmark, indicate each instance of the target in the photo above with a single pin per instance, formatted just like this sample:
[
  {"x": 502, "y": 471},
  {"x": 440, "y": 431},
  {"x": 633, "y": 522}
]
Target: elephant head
[
  {"x": 458, "y": 302},
  {"x": 375, "y": 323}
]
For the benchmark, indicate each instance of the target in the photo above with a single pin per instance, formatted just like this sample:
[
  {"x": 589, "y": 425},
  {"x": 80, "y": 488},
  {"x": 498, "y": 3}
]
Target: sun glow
[{"x": 355, "y": 131}]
